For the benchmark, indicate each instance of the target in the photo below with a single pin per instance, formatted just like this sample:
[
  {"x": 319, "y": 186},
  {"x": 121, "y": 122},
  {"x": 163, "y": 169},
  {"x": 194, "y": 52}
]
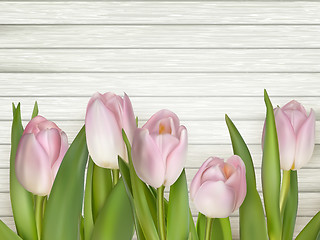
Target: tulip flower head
[
  {"x": 39, "y": 155},
  {"x": 159, "y": 149},
  {"x": 219, "y": 187},
  {"x": 106, "y": 116},
  {"x": 296, "y": 135}
]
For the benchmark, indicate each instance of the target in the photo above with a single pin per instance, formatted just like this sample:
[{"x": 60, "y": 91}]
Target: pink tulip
[
  {"x": 106, "y": 116},
  {"x": 296, "y": 135},
  {"x": 159, "y": 149},
  {"x": 219, "y": 187},
  {"x": 39, "y": 155}
]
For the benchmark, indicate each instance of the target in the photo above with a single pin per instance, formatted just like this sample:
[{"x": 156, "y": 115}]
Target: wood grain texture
[
  {"x": 159, "y": 84},
  {"x": 308, "y": 178},
  {"x": 199, "y": 153},
  {"x": 159, "y": 12},
  {"x": 201, "y": 59},
  {"x": 301, "y": 222},
  {"x": 199, "y": 132},
  {"x": 159, "y": 36},
  {"x": 207, "y": 108},
  {"x": 159, "y": 60}
]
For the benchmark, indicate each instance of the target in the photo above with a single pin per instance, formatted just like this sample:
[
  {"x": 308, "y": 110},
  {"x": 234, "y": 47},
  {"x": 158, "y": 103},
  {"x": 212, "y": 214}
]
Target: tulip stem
[
  {"x": 285, "y": 187},
  {"x": 208, "y": 228},
  {"x": 115, "y": 176},
  {"x": 226, "y": 228},
  {"x": 160, "y": 212},
  {"x": 38, "y": 208}
]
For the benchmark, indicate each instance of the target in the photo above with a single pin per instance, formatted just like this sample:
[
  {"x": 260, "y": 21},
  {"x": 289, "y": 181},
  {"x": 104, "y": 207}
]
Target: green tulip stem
[
  {"x": 38, "y": 208},
  {"x": 160, "y": 212},
  {"x": 226, "y": 228},
  {"x": 208, "y": 228},
  {"x": 285, "y": 187},
  {"x": 115, "y": 176}
]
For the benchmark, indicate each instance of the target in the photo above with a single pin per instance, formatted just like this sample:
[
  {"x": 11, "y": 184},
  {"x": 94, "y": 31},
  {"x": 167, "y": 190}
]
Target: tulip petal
[
  {"x": 305, "y": 141},
  {"x": 286, "y": 139},
  {"x": 129, "y": 121},
  {"x": 32, "y": 166},
  {"x": 146, "y": 158},
  {"x": 213, "y": 173},
  {"x": 114, "y": 103},
  {"x": 215, "y": 199},
  {"x": 50, "y": 140},
  {"x": 63, "y": 150},
  {"x": 32, "y": 126},
  {"x": 153, "y": 123},
  {"x": 177, "y": 158},
  {"x": 104, "y": 138},
  {"x": 196, "y": 181},
  {"x": 238, "y": 180},
  {"x": 295, "y": 105}
]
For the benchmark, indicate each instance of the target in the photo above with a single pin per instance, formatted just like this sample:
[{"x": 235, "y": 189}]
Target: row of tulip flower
[{"x": 47, "y": 178}]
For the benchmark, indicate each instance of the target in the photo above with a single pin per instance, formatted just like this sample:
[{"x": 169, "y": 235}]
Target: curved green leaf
[
  {"x": 252, "y": 219},
  {"x": 115, "y": 220},
  {"x": 271, "y": 173},
  {"x": 290, "y": 211},
  {"x": 35, "y": 111},
  {"x": 21, "y": 199},
  {"x": 125, "y": 173},
  {"x": 61, "y": 217},
  {"x": 144, "y": 200},
  {"x": 101, "y": 188},
  {"x": 178, "y": 210},
  {"x": 7, "y": 233},
  {"x": 311, "y": 230},
  {"x": 88, "y": 217},
  {"x": 192, "y": 228},
  {"x": 201, "y": 225}
]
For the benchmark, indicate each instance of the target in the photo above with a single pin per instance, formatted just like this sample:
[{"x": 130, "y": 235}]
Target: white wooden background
[{"x": 200, "y": 59}]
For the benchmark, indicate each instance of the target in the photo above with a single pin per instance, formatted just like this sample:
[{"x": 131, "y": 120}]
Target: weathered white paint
[{"x": 200, "y": 59}]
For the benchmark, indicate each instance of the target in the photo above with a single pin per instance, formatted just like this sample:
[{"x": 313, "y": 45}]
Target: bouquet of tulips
[{"x": 112, "y": 180}]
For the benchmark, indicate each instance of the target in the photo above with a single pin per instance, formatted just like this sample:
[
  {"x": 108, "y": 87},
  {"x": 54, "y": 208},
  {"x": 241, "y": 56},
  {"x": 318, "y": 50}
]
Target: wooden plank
[
  {"x": 159, "y": 36},
  {"x": 309, "y": 179},
  {"x": 162, "y": 12},
  {"x": 159, "y": 60},
  {"x": 207, "y": 108},
  {"x": 172, "y": 84},
  {"x": 309, "y": 204},
  {"x": 300, "y": 223},
  {"x": 197, "y": 154},
  {"x": 199, "y": 132}
]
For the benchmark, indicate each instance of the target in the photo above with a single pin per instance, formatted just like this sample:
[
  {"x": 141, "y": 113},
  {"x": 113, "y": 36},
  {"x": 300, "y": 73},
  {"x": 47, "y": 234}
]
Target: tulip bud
[
  {"x": 39, "y": 155},
  {"x": 219, "y": 187},
  {"x": 159, "y": 149},
  {"x": 106, "y": 116},
  {"x": 296, "y": 135}
]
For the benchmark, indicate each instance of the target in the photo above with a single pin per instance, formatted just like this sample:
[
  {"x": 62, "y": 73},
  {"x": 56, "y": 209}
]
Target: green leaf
[
  {"x": 192, "y": 228},
  {"x": 88, "y": 217},
  {"x": 252, "y": 219},
  {"x": 101, "y": 188},
  {"x": 271, "y": 174},
  {"x": 144, "y": 201},
  {"x": 21, "y": 199},
  {"x": 7, "y": 233},
  {"x": 311, "y": 230},
  {"x": 64, "y": 205},
  {"x": 35, "y": 110},
  {"x": 201, "y": 225},
  {"x": 290, "y": 211},
  {"x": 178, "y": 210},
  {"x": 115, "y": 220},
  {"x": 125, "y": 173}
]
